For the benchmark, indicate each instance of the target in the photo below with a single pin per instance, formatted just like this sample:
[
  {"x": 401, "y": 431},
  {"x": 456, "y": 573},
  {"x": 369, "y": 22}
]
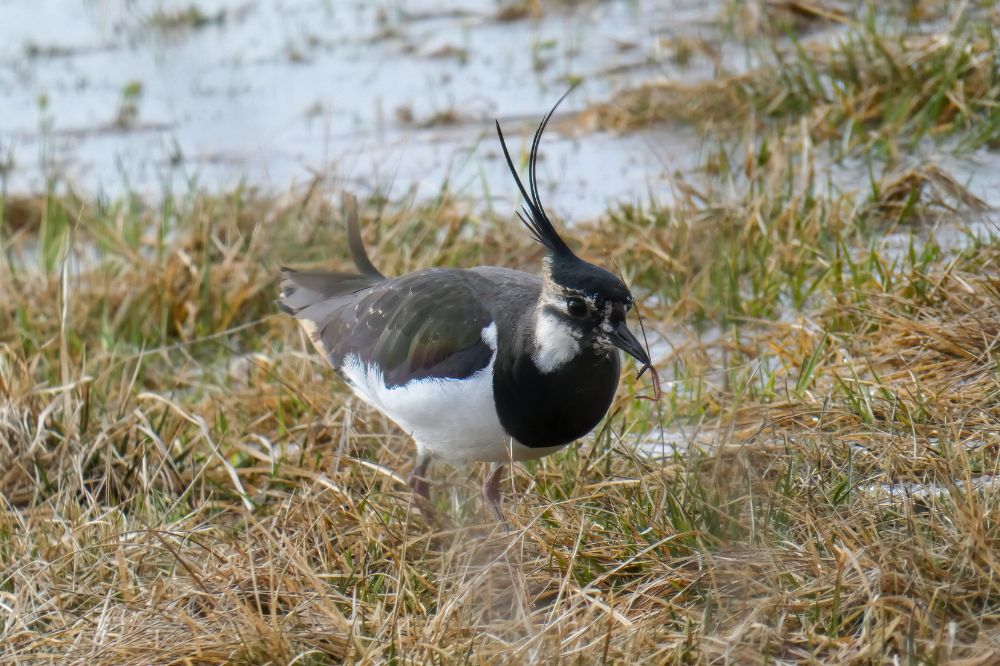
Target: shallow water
[
  {"x": 894, "y": 492},
  {"x": 112, "y": 95}
]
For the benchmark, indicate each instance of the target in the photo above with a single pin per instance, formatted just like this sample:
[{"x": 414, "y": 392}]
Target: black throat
[{"x": 552, "y": 409}]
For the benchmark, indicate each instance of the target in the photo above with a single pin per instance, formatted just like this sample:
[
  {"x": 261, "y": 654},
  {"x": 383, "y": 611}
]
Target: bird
[{"x": 486, "y": 364}]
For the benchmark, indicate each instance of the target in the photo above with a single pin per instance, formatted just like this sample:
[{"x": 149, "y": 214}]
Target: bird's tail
[{"x": 301, "y": 290}]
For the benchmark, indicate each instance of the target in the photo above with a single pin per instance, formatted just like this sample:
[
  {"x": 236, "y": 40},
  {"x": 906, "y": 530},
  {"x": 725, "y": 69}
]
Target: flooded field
[{"x": 395, "y": 95}]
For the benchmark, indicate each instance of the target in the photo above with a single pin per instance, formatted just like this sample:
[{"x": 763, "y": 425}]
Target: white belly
[{"x": 452, "y": 419}]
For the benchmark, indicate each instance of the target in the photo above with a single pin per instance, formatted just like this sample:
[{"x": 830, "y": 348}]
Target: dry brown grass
[
  {"x": 868, "y": 84},
  {"x": 183, "y": 482}
]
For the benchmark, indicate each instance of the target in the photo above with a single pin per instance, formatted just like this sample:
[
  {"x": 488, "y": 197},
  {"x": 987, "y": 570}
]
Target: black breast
[{"x": 540, "y": 410}]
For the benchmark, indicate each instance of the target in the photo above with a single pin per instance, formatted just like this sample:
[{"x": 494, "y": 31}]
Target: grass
[
  {"x": 182, "y": 481},
  {"x": 873, "y": 87}
]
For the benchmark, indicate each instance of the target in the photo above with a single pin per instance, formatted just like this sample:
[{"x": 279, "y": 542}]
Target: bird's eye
[
  {"x": 629, "y": 302},
  {"x": 576, "y": 307}
]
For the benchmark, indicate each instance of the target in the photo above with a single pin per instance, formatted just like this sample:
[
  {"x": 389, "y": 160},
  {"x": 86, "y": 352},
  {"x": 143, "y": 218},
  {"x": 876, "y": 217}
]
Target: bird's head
[{"x": 582, "y": 306}]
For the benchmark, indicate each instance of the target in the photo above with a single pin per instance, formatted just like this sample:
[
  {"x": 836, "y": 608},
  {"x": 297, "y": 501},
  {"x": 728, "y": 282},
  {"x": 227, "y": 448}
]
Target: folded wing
[{"x": 428, "y": 324}]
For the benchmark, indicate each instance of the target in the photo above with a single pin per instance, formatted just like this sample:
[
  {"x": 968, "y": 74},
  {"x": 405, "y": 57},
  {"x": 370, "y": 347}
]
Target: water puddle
[
  {"x": 395, "y": 94},
  {"x": 894, "y": 492},
  {"x": 113, "y": 95}
]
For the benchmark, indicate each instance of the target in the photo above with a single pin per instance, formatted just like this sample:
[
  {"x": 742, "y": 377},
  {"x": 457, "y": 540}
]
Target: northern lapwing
[{"x": 484, "y": 364}]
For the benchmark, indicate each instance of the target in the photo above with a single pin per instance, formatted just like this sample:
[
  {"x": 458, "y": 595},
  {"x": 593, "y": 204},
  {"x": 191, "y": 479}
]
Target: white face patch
[{"x": 555, "y": 342}]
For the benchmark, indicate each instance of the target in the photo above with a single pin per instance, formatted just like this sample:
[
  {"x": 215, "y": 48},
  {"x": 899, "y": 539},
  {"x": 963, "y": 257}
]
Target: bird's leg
[
  {"x": 418, "y": 477},
  {"x": 491, "y": 491}
]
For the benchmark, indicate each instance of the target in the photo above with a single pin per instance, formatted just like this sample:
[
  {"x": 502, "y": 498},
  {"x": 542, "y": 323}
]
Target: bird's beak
[{"x": 622, "y": 338}]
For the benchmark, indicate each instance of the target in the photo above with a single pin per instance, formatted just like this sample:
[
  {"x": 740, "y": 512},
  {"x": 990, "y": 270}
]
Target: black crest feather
[{"x": 534, "y": 216}]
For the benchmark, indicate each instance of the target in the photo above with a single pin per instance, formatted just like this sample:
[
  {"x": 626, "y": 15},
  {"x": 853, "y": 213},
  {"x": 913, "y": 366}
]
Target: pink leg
[
  {"x": 418, "y": 477},
  {"x": 491, "y": 491}
]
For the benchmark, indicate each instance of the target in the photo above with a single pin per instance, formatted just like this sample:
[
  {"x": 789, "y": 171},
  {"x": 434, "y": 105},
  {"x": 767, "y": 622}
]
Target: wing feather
[{"x": 418, "y": 326}]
